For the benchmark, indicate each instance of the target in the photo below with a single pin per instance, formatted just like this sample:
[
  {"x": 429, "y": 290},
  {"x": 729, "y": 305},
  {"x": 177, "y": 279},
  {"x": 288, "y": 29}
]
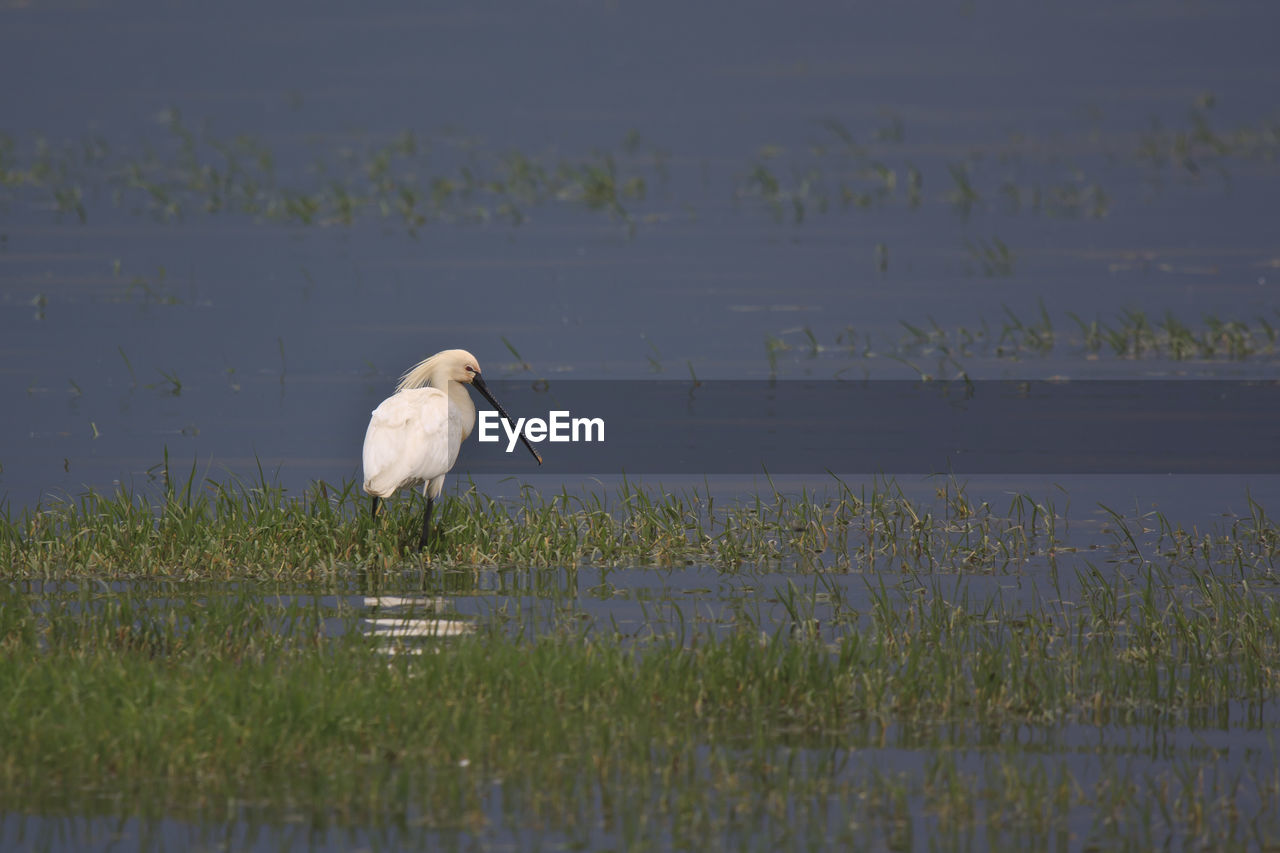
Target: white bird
[{"x": 414, "y": 434}]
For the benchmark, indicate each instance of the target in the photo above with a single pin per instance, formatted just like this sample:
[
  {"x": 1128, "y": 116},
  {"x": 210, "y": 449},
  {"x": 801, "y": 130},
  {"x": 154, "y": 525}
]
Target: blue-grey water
[
  {"x": 226, "y": 230},
  {"x": 803, "y": 172}
]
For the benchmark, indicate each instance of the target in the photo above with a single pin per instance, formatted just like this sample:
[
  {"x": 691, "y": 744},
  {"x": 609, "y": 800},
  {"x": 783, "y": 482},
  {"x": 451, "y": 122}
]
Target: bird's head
[
  {"x": 462, "y": 366},
  {"x": 456, "y": 365}
]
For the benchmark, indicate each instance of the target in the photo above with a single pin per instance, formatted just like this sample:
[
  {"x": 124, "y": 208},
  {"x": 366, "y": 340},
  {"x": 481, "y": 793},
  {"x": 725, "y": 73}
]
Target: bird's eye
[{"x": 470, "y": 369}]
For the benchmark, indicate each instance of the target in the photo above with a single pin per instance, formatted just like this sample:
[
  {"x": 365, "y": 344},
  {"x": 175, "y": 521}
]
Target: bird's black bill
[{"x": 484, "y": 391}]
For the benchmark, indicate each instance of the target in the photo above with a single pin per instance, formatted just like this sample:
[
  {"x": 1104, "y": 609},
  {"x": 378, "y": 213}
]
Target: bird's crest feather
[{"x": 420, "y": 374}]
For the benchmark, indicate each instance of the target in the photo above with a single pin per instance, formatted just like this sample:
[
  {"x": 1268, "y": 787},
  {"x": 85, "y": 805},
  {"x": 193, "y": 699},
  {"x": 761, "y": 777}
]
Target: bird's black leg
[
  {"x": 426, "y": 526},
  {"x": 373, "y": 510}
]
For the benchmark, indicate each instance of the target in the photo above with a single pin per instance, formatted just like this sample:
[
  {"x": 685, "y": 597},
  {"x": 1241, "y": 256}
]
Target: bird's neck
[{"x": 460, "y": 400}]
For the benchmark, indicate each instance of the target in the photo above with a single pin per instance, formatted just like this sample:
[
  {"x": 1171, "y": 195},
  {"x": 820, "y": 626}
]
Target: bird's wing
[{"x": 406, "y": 442}]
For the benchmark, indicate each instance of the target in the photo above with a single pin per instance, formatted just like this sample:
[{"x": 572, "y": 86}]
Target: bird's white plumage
[
  {"x": 408, "y": 441},
  {"x": 414, "y": 435}
]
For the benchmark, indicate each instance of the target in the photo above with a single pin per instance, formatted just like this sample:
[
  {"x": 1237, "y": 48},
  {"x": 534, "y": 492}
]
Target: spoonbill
[{"x": 414, "y": 434}]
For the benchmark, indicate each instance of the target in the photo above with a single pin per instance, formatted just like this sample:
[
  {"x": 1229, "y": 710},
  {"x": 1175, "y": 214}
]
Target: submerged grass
[
  {"x": 1130, "y": 335},
  {"x": 416, "y": 180},
  {"x": 206, "y": 704},
  {"x": 224, "y": 687},
  {"x": 405, "y": 179}
]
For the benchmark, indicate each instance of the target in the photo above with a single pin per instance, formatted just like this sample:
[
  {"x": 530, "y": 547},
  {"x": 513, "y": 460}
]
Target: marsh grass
[
  {"x": 1021, "y": 175},
  {"x": 203, "y": 655},
  {"x": 234, "y": 528},
  {"x": 1131, "y": 335},
  {"x": 203, "y": 701},
  {"x": 414, "y": 180},
  {"x": 403, "y": 179}
]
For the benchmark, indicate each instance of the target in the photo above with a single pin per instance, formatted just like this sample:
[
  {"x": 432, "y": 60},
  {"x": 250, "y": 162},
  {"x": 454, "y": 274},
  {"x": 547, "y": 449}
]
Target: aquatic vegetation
[
  {"x": 231, "y": 529},
  {"x": 407, "y": 179},
  {"x": 1135, "y": 336},
  {"x": 413, "y": 179},
  {"x": 1021, "y": 175},
  {"x": 841, "y": 176},
  {"x": 1131, "y": 335},
  {"x": 1198, "y": 145},
  {"x": 234, "y": 529},
  {"x": 994, "y": 257},
  {"x": 196, "y": 697},
  {"x": 172, "y": 384}
]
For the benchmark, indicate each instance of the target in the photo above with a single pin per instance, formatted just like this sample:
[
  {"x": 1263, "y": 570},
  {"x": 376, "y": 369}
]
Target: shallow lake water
[
  {"x": 877, "y": 784},
  {"x": 224, "y": 235},
  {"x": 206, "y": 249}
]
